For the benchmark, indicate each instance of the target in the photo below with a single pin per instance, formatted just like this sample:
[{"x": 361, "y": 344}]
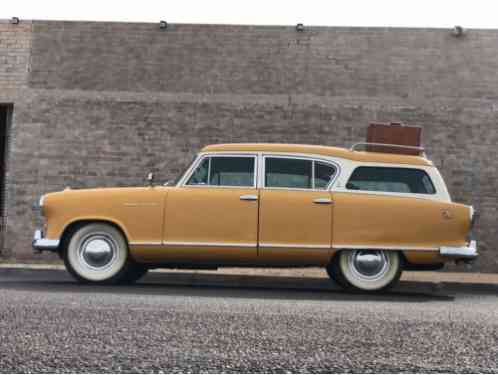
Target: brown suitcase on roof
[{"x": 394, "y": 133}]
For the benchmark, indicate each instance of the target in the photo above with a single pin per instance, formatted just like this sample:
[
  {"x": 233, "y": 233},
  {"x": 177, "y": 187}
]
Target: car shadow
[{"x": 226, "y": 286}]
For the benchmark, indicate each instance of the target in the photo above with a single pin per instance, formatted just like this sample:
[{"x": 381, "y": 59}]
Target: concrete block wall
[{"x": 106, "y": 102}]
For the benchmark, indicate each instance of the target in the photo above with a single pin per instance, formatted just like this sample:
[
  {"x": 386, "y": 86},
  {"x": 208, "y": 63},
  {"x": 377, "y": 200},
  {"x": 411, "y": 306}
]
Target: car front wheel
[
  {"x": 98, "y": 253},
  {"x": 366, "y": 270}
]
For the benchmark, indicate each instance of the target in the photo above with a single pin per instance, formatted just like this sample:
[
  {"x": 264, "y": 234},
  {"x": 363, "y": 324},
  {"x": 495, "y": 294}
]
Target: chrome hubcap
[
  {"x": 369, "y": 264},
  {"x": 98, "y": 251}
]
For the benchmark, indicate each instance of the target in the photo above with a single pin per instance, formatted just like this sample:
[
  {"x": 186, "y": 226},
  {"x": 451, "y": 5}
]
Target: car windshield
[{"x": 180, "y": 175}]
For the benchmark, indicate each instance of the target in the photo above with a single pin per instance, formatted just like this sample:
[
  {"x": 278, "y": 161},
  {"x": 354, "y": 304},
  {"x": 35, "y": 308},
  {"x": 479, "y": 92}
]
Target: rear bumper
[
  {"x": 43, "y": 244},
  {"x": 467, "y": 253}
]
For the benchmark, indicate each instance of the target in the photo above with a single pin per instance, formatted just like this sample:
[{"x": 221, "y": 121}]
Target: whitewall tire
[
  {"x": 97, "y": 252},
  {"x": 367, "y": 270}
]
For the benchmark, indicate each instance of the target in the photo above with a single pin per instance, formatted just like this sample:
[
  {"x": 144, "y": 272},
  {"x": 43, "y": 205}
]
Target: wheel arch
[
  {"x": 74, "y": 225},
  {"x": 403, "y": 259}
]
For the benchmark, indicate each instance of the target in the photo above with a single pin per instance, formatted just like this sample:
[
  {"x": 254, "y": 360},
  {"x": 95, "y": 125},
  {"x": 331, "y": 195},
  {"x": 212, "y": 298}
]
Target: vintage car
[{"x": 364, "y": 216}]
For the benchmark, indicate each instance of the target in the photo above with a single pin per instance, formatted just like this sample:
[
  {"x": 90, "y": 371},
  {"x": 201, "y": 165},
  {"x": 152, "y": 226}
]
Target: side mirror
[{"x": 150, "y": 179}]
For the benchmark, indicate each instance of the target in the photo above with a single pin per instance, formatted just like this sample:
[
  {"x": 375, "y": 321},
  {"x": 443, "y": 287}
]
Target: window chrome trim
[
  {"x": 209, "y": 171},
  {"x": 260, "y": 167},
  {"x": 183, "y": 181},
  {"x": 313, "y": 159},
  {"x": 348, "y": 166}
]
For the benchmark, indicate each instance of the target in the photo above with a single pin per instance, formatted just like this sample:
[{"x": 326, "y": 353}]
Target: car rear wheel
[
  {"x": 366, "y": 270},
  {"x": 98, "y": 253}
]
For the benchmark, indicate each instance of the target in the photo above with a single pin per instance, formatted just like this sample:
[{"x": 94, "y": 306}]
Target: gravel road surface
[{"x": 183, "y": 322}]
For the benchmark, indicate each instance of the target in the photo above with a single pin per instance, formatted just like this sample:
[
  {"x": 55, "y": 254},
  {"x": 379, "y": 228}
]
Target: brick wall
[
  {"x": 15, "y": 43},
  {"x": 107, "y": 102},
  {"x": 15, "y": 48}
]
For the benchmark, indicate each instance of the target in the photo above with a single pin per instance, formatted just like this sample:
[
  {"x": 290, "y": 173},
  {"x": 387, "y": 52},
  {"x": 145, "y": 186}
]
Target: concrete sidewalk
[{"x": 433, "y": 277}]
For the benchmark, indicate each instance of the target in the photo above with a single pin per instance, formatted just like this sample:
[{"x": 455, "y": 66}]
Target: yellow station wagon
[{"x": 364, "y": 216}]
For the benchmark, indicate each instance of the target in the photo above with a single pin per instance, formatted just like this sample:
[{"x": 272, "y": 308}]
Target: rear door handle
[
  {"x": 248, "y": 197},
  {"x": 322, "y": 201}
]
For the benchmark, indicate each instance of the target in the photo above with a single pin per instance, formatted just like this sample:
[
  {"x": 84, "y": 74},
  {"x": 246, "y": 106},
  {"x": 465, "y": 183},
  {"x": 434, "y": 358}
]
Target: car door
[
  {"x": 213, "y": 217},
  {"x": 295, "y": 218}
]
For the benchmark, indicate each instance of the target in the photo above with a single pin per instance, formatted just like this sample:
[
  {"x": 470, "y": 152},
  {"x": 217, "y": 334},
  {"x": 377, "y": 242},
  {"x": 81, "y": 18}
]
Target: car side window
[
  {"x": 391, "y": 180},
  {"x": 296, "y": 173},
  {"x": 288, "y": 173},
  {"x": 224, "y": 171},
  {"x": 324, "y": 173},
  {"x": 232, "y": 171}
]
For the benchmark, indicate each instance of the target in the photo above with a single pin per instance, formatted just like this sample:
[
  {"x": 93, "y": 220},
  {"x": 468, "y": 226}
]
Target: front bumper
[
  {"x": 465, "y": 253},
  {"x": 43, "y": 244}
]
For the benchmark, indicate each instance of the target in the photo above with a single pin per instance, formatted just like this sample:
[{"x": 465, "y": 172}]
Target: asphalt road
[{"x": 181, "y": 322}]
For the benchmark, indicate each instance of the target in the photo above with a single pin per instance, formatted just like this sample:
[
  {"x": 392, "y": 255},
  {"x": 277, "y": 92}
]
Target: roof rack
[{"x": 421, "y": 150}]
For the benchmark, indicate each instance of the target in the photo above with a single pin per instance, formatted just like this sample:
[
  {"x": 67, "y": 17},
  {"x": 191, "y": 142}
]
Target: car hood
[{"x": 115, "y": 193}]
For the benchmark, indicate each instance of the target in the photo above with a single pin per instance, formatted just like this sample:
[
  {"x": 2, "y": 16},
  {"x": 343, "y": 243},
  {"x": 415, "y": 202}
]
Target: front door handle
[
  {"x": 322, "y": 201},
  {"x": 248, "y": 197}
]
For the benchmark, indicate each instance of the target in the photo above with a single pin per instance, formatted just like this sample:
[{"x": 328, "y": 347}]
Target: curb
[{"x": 28, "y": 266}]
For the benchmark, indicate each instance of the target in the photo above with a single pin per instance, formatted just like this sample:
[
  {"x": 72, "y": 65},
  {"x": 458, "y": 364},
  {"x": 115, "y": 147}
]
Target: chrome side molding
[{"x": 166, "y": 244}]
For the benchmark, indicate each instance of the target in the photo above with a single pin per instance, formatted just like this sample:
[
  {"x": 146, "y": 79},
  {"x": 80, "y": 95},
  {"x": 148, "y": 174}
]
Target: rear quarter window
[{"x": 391, "y": 180}]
